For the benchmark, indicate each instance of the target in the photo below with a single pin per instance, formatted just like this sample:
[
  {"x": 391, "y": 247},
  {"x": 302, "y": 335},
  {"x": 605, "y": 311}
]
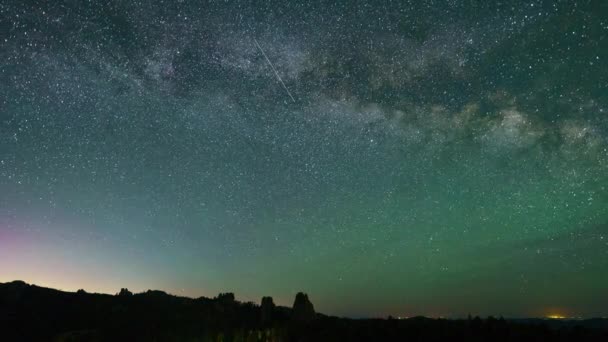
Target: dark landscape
[
  {"x": 406, "y": 170},
  {"x": 32, "y": 313}
]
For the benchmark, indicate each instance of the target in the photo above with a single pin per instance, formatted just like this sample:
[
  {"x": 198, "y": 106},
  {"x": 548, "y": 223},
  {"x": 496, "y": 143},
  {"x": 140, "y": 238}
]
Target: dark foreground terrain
[{"x": 32, "y": 313}]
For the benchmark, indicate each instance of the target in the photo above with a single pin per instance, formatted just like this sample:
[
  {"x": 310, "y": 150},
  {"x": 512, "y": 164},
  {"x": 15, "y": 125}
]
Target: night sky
[{"x": 416, "y": 158}]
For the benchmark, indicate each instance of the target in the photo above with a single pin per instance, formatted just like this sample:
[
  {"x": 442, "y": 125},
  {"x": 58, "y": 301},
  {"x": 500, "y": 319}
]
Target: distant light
[{"x": 556, "y": 317}]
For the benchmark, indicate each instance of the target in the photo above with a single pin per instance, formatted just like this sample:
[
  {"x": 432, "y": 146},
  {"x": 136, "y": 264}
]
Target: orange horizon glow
[{"x": 556, "y": 317}]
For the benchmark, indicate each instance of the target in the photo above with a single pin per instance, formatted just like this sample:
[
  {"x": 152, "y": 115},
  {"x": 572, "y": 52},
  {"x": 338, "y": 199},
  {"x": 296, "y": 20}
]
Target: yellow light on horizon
[{"x": 556, "y": 317}]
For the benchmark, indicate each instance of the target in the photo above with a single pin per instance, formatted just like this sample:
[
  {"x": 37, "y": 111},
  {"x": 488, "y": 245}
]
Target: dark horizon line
[{"x": 470, "y": 315}]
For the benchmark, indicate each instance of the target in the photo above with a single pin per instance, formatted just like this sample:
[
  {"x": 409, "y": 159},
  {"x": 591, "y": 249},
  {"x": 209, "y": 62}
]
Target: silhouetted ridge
[
  {"x": 32, "y": 313},
  {"x": 156, "y": 293}
]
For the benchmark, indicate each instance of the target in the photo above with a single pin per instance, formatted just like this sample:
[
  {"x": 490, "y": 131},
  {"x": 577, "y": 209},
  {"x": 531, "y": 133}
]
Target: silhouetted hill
[{"x": 32, "y": 313}]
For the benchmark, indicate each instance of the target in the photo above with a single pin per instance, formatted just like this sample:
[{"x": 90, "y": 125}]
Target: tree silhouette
[
  {"x": 227, "y": 297},
  {"x": 125, "y": 293}
]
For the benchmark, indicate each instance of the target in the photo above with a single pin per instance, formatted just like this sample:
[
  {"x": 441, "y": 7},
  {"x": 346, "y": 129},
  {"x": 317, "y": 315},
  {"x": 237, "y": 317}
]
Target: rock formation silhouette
[
  {"x": 267, "y": 308},
  {"x": 303, "y": 310}
]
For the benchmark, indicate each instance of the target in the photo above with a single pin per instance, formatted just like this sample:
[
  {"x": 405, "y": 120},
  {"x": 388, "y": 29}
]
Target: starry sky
[{"x": 408, "y": 158}]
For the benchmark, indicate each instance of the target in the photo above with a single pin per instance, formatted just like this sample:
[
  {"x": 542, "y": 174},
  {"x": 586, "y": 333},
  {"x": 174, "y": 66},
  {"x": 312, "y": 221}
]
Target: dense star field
[{"x": 418, "y": 158}]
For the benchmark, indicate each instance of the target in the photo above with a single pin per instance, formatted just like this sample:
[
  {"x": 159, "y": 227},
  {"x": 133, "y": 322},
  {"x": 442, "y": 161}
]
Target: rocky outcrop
[
  {"x": 267, "y": 309},
  {"x": 303, "y": 310}
]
